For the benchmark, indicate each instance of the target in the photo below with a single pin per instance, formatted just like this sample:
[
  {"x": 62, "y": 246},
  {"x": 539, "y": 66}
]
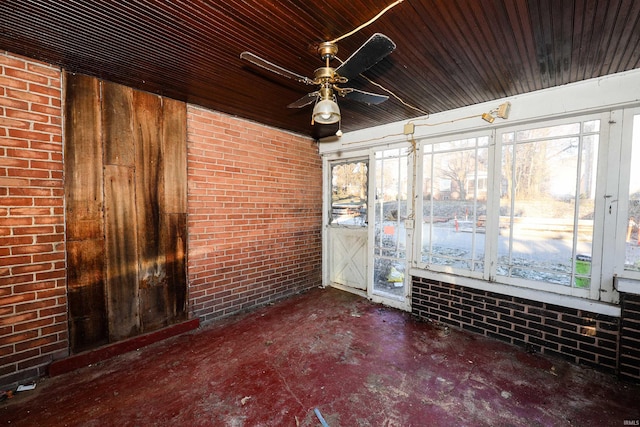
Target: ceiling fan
[{"x": 327, "y": 78}]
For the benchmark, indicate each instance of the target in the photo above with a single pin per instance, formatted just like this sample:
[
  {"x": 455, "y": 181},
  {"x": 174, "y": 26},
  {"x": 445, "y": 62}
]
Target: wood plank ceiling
[{"x": 449, "y": 54}]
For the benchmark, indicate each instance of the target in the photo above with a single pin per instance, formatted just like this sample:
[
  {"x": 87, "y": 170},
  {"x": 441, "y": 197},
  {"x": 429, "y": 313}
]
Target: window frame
[
  {"x": 420, "y": 197},
  {"x": 593, "y": 292},
  {"x": 601, "y": 288},
  {"x": 626, "y": 146}
]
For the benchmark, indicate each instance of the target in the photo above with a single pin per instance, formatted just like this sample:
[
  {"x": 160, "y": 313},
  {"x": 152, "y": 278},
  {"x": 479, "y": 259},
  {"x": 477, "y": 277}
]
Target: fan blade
[
  {"x": 370, "y": 53},
  {"x": 305, "y": 100},
  {"x": 366, "y": 97},
  {"x": 263, "y": 63}
]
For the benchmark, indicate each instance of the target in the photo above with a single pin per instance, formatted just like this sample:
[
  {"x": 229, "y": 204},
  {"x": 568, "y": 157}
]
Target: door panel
[
  {"x": 347, "y": 235},
  {"x": 348, "y": 257}
]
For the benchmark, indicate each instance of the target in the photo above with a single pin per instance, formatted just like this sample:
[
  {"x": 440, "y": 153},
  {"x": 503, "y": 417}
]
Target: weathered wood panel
[
  {"x": 122, "y": 256},
  {"x": 175, "y": 246},
  {"x": 174, "y": 223},
  {"x": 83, "y": 211},
  {"x": 85, "y": 294},
  {"x": 83, "y": 158},
  {"x": 126, "y": 196},
  {"x": 152, "y": 278},
  {"x": 174, "y": 149},
  {"x": 117, "y": 114}
]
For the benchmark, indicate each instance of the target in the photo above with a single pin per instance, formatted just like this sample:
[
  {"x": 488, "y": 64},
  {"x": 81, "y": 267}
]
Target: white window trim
[
  {"x": 624, "y": 280},
  {"x": 419, "y": 205}
]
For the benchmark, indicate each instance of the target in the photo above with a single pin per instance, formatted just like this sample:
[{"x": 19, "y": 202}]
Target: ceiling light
[
  {"x": 326, "y": 112},
  {"x": 487, "y": 117}
]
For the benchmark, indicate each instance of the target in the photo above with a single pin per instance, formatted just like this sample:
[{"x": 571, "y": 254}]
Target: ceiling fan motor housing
[
  {"x": 324, "y": 74},
  {"x": 327, "y": 50}
]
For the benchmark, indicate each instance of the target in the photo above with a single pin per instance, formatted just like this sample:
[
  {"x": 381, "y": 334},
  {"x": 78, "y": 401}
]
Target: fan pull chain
[{"x": 372, "y": 20}]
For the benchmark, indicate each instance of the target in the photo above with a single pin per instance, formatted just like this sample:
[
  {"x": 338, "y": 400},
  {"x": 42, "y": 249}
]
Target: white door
[
  {"x": 391, "y": 241},
  {"x": 346, "y": 253}
]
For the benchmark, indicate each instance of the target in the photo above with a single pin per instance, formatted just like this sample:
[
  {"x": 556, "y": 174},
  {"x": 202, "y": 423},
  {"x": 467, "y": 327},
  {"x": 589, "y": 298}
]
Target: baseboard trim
[{"x": 80, "y": 360}]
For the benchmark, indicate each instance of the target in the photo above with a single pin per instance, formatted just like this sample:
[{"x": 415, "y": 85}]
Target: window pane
[
  {"x": 632, "y": 256},
  {"x": 547, "y": 204},
  {"x": 454, "y": 192},
  {"x": 349, "y": 193},
  {"x": 389, "y": 223}
]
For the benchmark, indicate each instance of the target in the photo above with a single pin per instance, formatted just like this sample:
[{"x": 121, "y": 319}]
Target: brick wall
[
  {"x": 630, "y": 338},
  {"x": 575, "y": 335},
  {"x": 254, "y": 214},
  {"x": 33, "y": 323}
]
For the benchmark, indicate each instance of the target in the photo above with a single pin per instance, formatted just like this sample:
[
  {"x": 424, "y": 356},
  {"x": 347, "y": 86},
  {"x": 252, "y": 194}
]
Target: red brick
[
  {"x": 53, "y": 112},
  {"x": 34, "y": 306},
  {"x": 44, "y": 90},
  {"x": 32, "y": 325},
  {"x": 16, "y": 338},
  {"x": 27, "y": 96},
  {"x": 31, "y": 249},
  {"x": 13, "y": 61},
  {"x": 13, "y": 103},
  {"x": 26, "y": 345},
  {"x": 45, "y": 70},
  {"x": 26, "y": 115},
  {"x": 19, "y": 298}
]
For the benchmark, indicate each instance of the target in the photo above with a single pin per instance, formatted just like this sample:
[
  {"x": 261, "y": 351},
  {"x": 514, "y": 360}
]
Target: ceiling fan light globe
[{"x": 326, "y": 112}]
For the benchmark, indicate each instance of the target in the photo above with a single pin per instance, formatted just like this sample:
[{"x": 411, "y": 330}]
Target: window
[
  {"x": 349, "y": 193},
  {"x": 391, "y": 211},
  {"x": 454, "y": 204},
  {"x": 518, "y": 212},
  {"x": 547, "y": 201},
  {"x": 632, "y": 237}
]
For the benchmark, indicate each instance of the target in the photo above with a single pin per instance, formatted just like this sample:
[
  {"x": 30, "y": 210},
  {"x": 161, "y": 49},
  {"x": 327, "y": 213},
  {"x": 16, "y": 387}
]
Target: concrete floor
[{"x": 359, "y": 363}]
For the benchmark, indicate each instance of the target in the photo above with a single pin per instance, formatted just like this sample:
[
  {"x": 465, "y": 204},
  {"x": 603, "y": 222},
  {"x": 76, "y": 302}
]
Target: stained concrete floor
[{"x": 358, "y": 363}]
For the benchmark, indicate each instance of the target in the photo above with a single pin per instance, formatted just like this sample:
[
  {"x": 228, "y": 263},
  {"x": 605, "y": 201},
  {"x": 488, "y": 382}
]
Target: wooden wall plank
[
  {"x": 122, "y": 255},
  {"x": 85, "y": 294},
  {"x": 152, "y": 276},
  {"x": 117, "y": 117},
  {"x": 83, "y": 213},
  {"x": 83, "y": 158},
  {"x": 174, "y": 225},
  {"x": 174, "y": 149},
  {"x": 175, "y": 246}
]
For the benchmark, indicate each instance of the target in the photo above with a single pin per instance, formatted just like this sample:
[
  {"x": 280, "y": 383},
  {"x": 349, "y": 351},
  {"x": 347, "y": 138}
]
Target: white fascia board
[{"x": 598, "y": 94}]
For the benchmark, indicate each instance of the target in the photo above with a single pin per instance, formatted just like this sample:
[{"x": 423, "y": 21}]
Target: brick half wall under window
[
  {"x": 630, "y": 338},
  {"x": 575, "y": 335}
]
